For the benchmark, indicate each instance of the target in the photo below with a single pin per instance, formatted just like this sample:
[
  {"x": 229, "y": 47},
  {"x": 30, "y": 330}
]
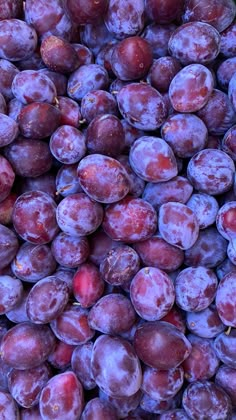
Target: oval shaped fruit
[
  {"x": 26, "y": 345},
  {"x": 115, "y": 352},
  {"x": 161, "y": 345}
]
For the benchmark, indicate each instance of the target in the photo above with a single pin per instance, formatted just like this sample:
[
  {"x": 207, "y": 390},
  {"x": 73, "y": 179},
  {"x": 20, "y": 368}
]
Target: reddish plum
[
  {"x": 25, "y": 386},
  {"x": 27, "y": 345},
  {"x": 161, "y": 345},
  {"x": 218, "y": 14},
  {"x": 176, "y": 189},
  {"x": 195, "y": 288},
  {"x": 202, "y": 363},
  {"x": 162, "y": 384},
  {"x": 71, "y": 326},
  {"x": 97, "y": 103},
  {"x": 152, "y": 159},
  {"x": 130, "y": 220},
  {"x": 131, "y": 58},
  {"x": 60, "y": 357},
  {"x": 119, "y": 265},
  {"x": 88, "y": 285},
  {"x": 191, "y": 88},
  {"x": 211, "y": 171},
  {"x": 34, "y": 217},
  {"x": 47, "y": 300},
  {"x": 62, "y": 397},
  {"x": 206, "y": 323},
  {"x": 178, "y": 225},
  {"x": 70, "y": 251},
  {"x": 203, "y": 399},
  {"x": 33, "y": 262},
  {"x": 104, "y": 179},
  {"x": 101, "y": 410},
  {"x": 186, "y": 134},
  {"x": 142, "y": 106},
  {"x": 203, "y": 253},
  {"x": 225, "y": 300},
  {"x": 78, "y": 215},
  {"x": 81, "y": 364},
  {"x": 114, "y": 359},
  {"x": 152, "y": 293},
  {"x": 195, "y": 42}
]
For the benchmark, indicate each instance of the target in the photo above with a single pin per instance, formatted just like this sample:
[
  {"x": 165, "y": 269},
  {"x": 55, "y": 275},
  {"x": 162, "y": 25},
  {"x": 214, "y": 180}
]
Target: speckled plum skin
[
  {"x": 202, "y": 253},
  {"x": 211, "y": 171},
  {"x": 11, "y": 293},
  {"x": 178, "y": 225},
  {"x": 162, "y": 384},
  {"x": 85, "y": 79},
  {"x": 103, "y": 178},
  {"x": 70, "y": 251},
  {"x": 206, "y": 208},
  {"x": 191, "y": 88},
  {"x": 33, "y": 262},
  {"x": 26, "y": 385},
  {"x": 39, "y": 210},
  {"x": 125, "y": 18},
  {"x": 218, "y": 14},
  {"x": 204, "y": 399},
  {"x": 186, "y": 134},
  {"x": 152, "y": 159},
  {"x": 195, "y": 42},
  {"x": 226, "y": 299},
  {"x": 33, "y": 86},
  {"x": 206, "y": 323},
  {"x": 202, "y": 363},
  {"x": 119, "y": 265},
  {"x": 125, "y": 378},
  {"x": 152, "y": 293},
  {"x": 130, "y": 220},
  {"x": 112, "y": 314},
  {"x": 225, "y": 348},
  {"x": 47, "y": 299},
  {"x": 142, "y": 106},
  {"x": 195, "y": 288},
  {"x": 78, "y": 215},
  {"x": 156, "y": 252},
  {"x": 11, "y": 30},
  {"x": 176, "y": 189},
  {"x": 65, "y": 392}
]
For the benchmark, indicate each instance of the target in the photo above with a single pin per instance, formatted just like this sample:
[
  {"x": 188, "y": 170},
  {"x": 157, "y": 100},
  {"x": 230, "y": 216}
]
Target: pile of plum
[{"x": 117, "y": 209}]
